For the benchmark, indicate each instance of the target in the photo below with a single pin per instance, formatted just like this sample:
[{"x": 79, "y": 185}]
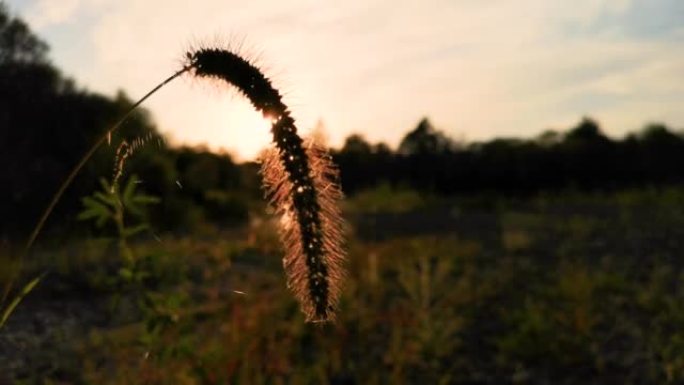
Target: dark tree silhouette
[
  {"x": 586, "y": 132},
  {"x": 47, "y": 124},
  {"x": 17, "y": 43},
  {"x": 425, "y": 139},
  {"x": 581, "y": 158}
]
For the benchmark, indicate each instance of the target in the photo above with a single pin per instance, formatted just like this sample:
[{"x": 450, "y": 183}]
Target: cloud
[
  {"x": 46, "y": 13},
  {"x": 478, "y": 69}
]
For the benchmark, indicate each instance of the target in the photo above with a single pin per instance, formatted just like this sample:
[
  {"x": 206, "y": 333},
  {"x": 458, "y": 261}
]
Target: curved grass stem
[{"x": 67, "y": 182}]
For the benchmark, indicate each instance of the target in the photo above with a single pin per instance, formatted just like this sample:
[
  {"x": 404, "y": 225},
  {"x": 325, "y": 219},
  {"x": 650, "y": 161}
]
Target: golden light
[{"x": 221, "y": 121}]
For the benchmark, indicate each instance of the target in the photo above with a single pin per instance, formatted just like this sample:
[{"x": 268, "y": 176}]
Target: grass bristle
[
  {"x": 299, "y": 180},
  {"x": 314, "y": 279}
]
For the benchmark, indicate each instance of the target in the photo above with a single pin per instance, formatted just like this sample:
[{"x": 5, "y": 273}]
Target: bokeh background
[{"x": 513, "y": 170}]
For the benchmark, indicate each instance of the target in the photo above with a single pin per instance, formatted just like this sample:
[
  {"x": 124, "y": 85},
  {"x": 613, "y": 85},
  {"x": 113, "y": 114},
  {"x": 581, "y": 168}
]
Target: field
[
  {"x": 571, "y": 288},
  {"x": 475, "y": 251}
]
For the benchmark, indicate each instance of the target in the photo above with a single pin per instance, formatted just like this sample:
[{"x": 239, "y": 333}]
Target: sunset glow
[{"x": 477, "y": 70}]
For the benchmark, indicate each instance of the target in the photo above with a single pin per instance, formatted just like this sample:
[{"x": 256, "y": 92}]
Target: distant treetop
[
  {"x": 17, "y": 43},
  {"x": 425, "y": 139}
]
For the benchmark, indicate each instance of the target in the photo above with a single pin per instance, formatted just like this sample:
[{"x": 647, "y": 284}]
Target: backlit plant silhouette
[{"x": 300, "y": 181}]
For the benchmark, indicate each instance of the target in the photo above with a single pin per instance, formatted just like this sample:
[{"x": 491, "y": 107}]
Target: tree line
[
  {"x": 582, "y": 158},
  {"x": 47, "y": 123}
]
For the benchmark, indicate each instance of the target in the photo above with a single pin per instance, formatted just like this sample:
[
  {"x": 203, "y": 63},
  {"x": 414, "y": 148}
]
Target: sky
[{"x": 477, "y": 69}]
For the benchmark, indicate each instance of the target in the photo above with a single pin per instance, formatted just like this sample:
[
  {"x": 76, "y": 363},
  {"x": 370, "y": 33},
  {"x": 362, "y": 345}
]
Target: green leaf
[
  {"x": 93, "y": 209},
  {"x": 135, "y": 230},
  {"x": 129, "y": 189},
  {"x": 12, "y": 305},
  {"x": 91, "y": 203},
  {"x": 109, "y": 199},
  {"x": 145, "y": 199},
  {"x": 87, "y": 214},
  {"x": 105, "y": 185}
]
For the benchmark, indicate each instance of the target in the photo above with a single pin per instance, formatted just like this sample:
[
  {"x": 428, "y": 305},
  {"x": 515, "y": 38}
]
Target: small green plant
[
  {"x": 123, "y": 210},
  {"x": 108, "y": 208},
  {"x": 110, "y": 205}
]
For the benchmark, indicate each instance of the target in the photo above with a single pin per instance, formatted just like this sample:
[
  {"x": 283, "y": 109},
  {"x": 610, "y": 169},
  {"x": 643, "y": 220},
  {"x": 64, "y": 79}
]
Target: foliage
[
  {"x": 577, "y": 284},
  {"x": 384, "y": 198},
  {"x": 568, "y": 289},
  {"x": 582, "y": 158},
  {"x": 110, "y": 205},
  {"x": 17, "y": 42},
  {"x": 135, "y": 288},
  {"x": 42, "y": 148}
]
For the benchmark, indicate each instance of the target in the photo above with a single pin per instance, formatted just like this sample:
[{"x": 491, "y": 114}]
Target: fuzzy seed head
[
  {"x": 301, "y": 183},
  {"x": 314, "y": 254}
]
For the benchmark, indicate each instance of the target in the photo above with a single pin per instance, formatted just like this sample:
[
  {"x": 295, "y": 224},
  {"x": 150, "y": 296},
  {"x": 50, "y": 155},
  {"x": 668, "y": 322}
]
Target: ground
[{"x": 571, "y": 288}]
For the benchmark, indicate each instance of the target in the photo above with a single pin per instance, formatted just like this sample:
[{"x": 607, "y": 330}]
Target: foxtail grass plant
[
  {"x": 299, "y": 178},
  {"x": 300, "y": 181}
]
